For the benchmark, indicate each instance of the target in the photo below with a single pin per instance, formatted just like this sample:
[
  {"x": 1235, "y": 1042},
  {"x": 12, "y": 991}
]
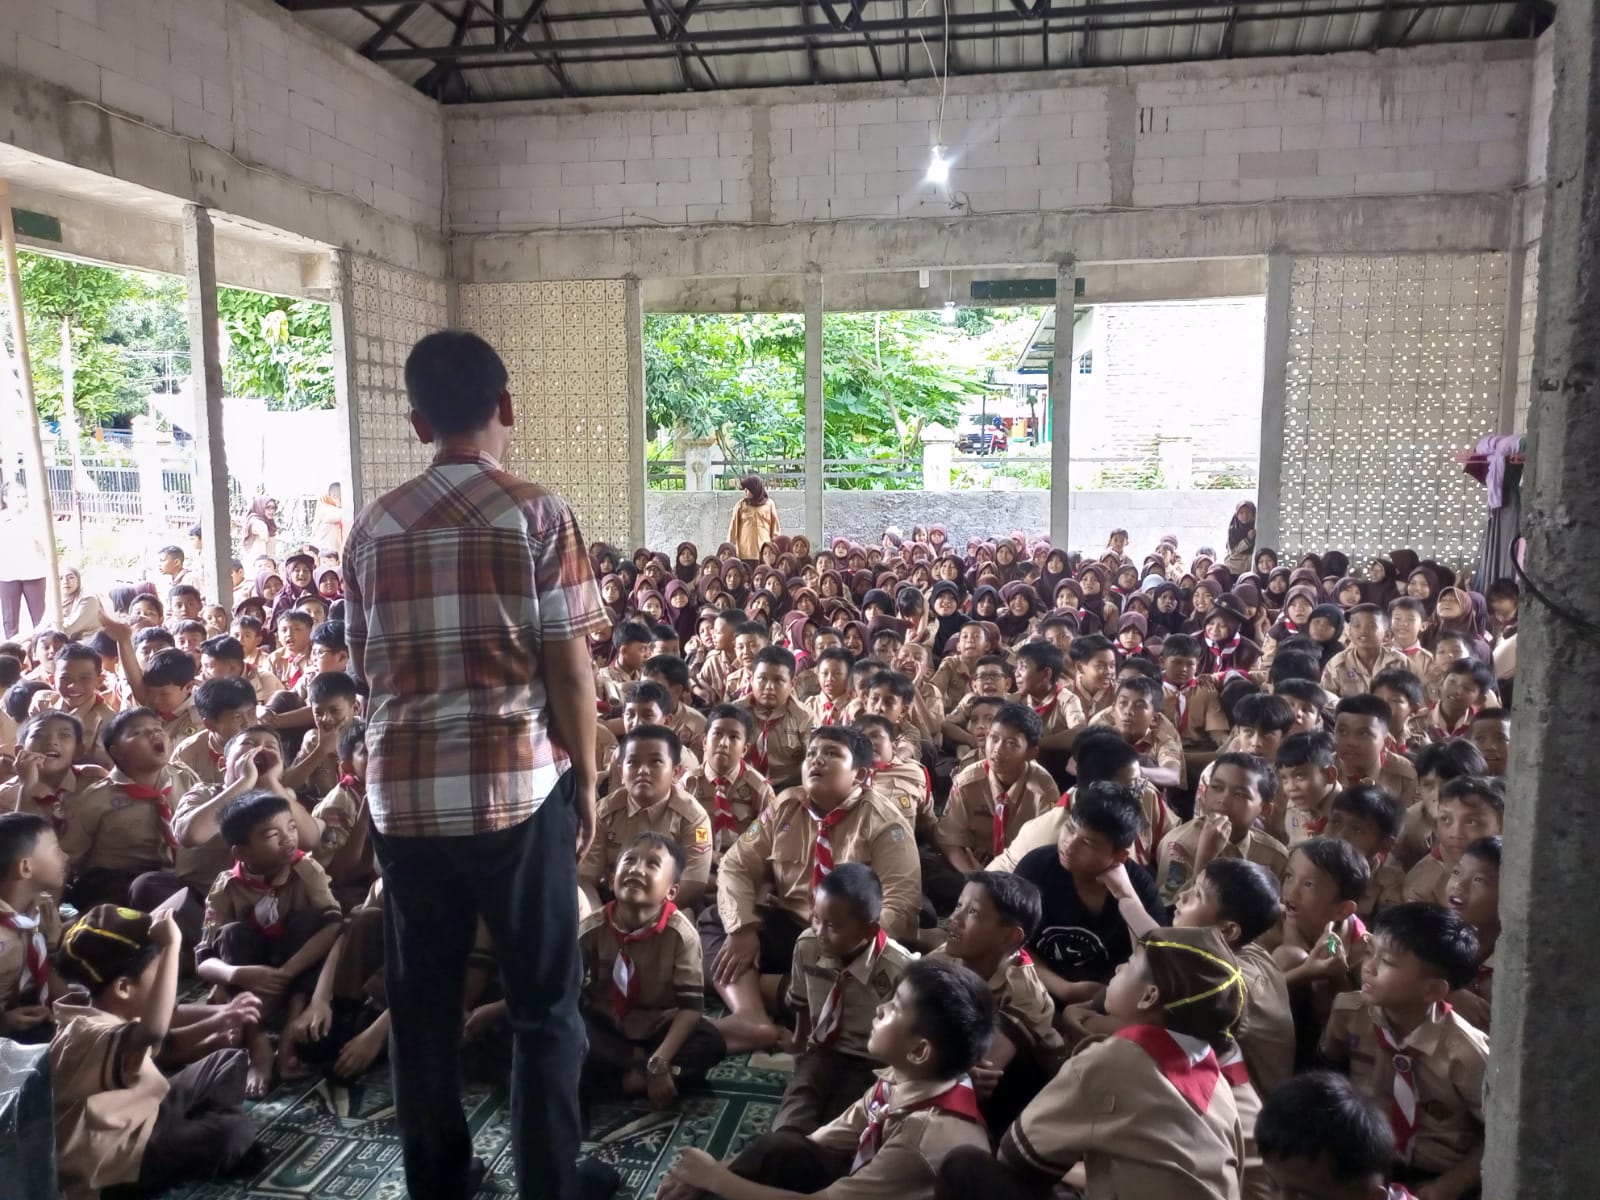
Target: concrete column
[
  {"x": 205, "y": 382},
  {"x": 1061, "y": 372},
  {"x": 814, "y": 415},
  {"x": 346, "y": 393},
  {"x": 1274, "y": 388},
  {"x": 1510, "y": 348},
  {"x": 1544, "y": 1083},
  {"x": 638, "y": 480}
]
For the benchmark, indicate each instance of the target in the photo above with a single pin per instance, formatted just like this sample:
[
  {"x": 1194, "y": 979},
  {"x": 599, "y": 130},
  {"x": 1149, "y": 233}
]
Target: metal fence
[{"x": 671, "y": 474}]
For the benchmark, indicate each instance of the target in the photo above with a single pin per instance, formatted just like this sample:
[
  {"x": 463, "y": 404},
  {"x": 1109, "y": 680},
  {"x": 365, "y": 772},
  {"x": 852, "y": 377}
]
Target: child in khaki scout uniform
[
  {"x": 749, "y": 640},
  {"x": 334, "y": 703},
  {"x": 672, "y": 673},
  {"x": 1370, "y": 820},
  {"x": 344, "y": 844},
  {"x": 890, "y": 695},
  {"x": 990, "y": 679},
  {"x": 1040, "y": 677},
  {"x": 226, "y": 706},
  {"x": 1437, "y": 764},
  {"x": 48, "y": 775},
  {"x": 1491, "y": 734},
  {"x": 118, "y": 1121},
  {"x": 1308, "y": 781},
  {"x": 33, "y": 871},
  {"x": 1322, "y": 942},
  {"x": 1351, "y": 671},
  {"x": 980, "y": 715},
  {"x": 1470, "y": 807},
  {"x": 1191, "y": 703},
  {"x": 1241, "y": 789},
  {"x": 845, "y": 967},
  {"x": 1148, "y": 1110},
  {"x": 1474, "y": 895},
  {"x": 1360, "y": 735},
  {"x": 730, "y": 790},
  {"x": 1092, "y": 672},
  {"x": 630, "y": 647},
  {"x": 893, "y": 1141},
  {"x": 643, "y": 997},
  {"x": 833, "y": 684},
  {"x": 953, "y": 677},
  {"x": 1464, "y": 686},
  {"x": 120, "y": 827},
  {"x": 646, "y": 703},
  {"x": 782, "y": 723},
  {"x": 766, "y": 881},
  {"x": 1407, "y": 1051},
  {"x": 711, "y": 682},
  {"x": 1401, "y": 690},
  {"x": 76, "y": 674},
  {"x": 165, "y": 683},
  {"x": 1318, "y": 1136},
  {"x": 269, "y": 923},
  {"x": 1135, "y": 713},
  {"x": 903, "y": 782},
  {"x": 988, "y": 933},
  {"x": 649, "y": 800},
  {"x": 1100, "y": 755}
]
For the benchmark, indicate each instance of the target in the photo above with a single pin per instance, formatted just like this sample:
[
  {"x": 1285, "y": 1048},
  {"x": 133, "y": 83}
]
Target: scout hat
[{"x": 102, "y": 944}]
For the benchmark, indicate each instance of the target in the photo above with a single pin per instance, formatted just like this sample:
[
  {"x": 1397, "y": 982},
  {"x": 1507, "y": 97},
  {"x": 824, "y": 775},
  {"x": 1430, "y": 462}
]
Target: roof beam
[{"x": 389, "y": 28}]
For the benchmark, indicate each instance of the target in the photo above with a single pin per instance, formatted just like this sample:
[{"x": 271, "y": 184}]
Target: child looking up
[
  {"x": 1370, "y": 820},
  {"x": 1309, "y": 781},
  {"x": 905, "y": 784},
  {"x": 726, "y": 786},
  {"x": 1470, "y": 807},
  {"x": 344, "y": 846},
  {"x": 1322, "y": 940},
  {"x": 1402, "y": 691},
  {"x": 33, "y": 871},
  {"x": 76, "y": 674},
  {"x": 1490, "y": 732},
  {"x": 48, "y": 774},
  {"x": 1474, "y": 895},
  {"x": 954, "y": 675},
  {"x": 1241, "y": 789},
  {"x": 1094, "y": 666},
  {"x": 1464, "y": 688},
  {"x": 1190, "y": 703},
  {"x": 1135, "y": 713},
  {"x": 782, "y": 723},
  {"x": 991, "y": 678},
  {"x": 1040, "y": 685},
  {"x": 1360, "y": 746},
  {"x": 1437, "y": 765},
  {"x": 833, "y": 682}
]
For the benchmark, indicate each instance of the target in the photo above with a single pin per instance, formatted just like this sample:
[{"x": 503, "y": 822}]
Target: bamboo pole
[{"x": 39, "y": 480}]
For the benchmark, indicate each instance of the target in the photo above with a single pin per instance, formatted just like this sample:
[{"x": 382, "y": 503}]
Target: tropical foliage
[{"x": 279, "y": 349}]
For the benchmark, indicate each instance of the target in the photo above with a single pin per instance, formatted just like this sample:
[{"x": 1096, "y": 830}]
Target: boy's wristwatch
[{"x": 657, "y": 1066}]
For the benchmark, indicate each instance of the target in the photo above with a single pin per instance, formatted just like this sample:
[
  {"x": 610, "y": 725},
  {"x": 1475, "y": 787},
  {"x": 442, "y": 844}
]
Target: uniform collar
[
  {"x": 1425, "y": 1038},
  {"x": 659, "y": 806},
  {"x": 861, "y": 965},
  {"x": 907, "y": 1093}
]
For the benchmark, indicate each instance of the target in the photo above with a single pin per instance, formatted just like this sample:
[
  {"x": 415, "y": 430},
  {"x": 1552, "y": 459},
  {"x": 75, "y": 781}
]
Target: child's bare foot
[
  {"x": 634, "y": 1082},
  {"x": 786, "y": 1043},
  {"x": 743, "y": 1035},
  {"x": 258, "y": 1079}
]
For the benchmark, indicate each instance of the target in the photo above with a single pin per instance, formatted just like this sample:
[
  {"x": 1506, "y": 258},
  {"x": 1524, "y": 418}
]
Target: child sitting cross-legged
[
  {"x": 845, "y": 967},
  {"x": 892, "y": 1141},
  {"x": 33, "y": 871}
]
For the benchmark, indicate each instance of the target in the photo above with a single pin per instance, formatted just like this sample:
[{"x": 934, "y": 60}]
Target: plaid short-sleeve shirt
[{"x": 453, "y": 581}]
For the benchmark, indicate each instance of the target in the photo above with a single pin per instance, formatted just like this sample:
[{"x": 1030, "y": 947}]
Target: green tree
[
  {"x": 68, "y": 306},
  {"x": 278, "y": 349},
  {"x": 738, "y": 380}
]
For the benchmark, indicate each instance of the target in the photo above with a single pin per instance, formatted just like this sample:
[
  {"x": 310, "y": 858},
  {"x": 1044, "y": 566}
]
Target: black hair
[
  {"x": 1021, "y": 718},
  {"x": 1141, "y": 668},
  {"x": 1101, "y": 754},
  {"x": 866, "y": 668},
  {"x": 148, "y": 599},
  {"x": 1302, "y": 689},
  {"x": 298, "y": 617},
  {"x": 102, "y": 644},
  {"x": 39, "y": 719},
  {"x": 332, "y": 685},
  {"x": 1484, "y": 789},
  {"x": 953, "y": 1010},
  {"x": 647, "y": 692},
  {"x": 734, "y": 617},
  {"x": 852, "y": 739},
  {"x": 865, "y": 721},
  {"x": 177, "y": 551},
  {"x": 1450, "y": 760},
  {"x": 351, "y": 738},
  {"x": 1150, "y": 689},
  {"x": 1266, "y": 777},
  {"x": 1340, "y": 862},
  {"x": 169, "y": 668},
  {"x": 78, "y": 652},
  {"x": 664, "y": 633},
  {"x": 243, "y": 814},
  {"x": 1365, "y": 705},
  {"x": 836, "y": 654},
  {"x": 1294, "y": 664},
  {"x": 1264, "y": 711},
  {"x": 1372, "y": 803},
  {"x": 10, "y": 670},
  {"x": 1059, "y": 621},
  {"x": 774, "y": 656},
  {"x": 223, "y": 648},
  {"x": 1109, "y": 809},
  {"x": 1235, "y": 690},
  {"x": 1016, "y": 899},
  {"x": 857, "y": 885},
  {"x": 1322, "y": 1117},
  {"x": 1045, "y": 656},
  {"x": 652, "y": 733},
  {"x": 674, "y": 851},
  {"x": 1437, "y": 936},
  {"x": 330, "y": 636},
  {"x": 670, "y": 667},
  {"x": 153, "y": 633},
  {"x": 454, "y": 379},
  {"x": 1179, "y": 645},
  {"x": 631, "y": 633},
  {"x": 1491, "y": 714},
  {"x": 111, "y": 731},
  {"x": 217, "y": 696},
  {"x": 19, "y": 834},
  {"x": 1313, "y": 749},
  {"x": 1480, "y": 672},
  {"x": 976, "y": 701},
  {"x": 183, "y": 591},
  {"x": 1485, "y": 848},
  {"x": 993, "y": 660},
  {"x": 904, "y": 690},
  {"x": 1367, "y": 610},
  {"x": 908, "y": 599},
  {"x": 190, "y": 625},
  {"x": 718, "y": 712},
  {"x": 19, "y": 698},
  {"x": 760, "y": 629},
  {"x": 1247, "y": 893},
  {"x": 1089, "y": 645},
  {"x": 1502, "y": 589}
]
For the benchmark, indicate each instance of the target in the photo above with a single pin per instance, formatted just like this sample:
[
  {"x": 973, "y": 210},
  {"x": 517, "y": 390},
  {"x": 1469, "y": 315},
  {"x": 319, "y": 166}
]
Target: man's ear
[
  {"x": 422, "y": 428},
  {"x": 505, "y": 411}
]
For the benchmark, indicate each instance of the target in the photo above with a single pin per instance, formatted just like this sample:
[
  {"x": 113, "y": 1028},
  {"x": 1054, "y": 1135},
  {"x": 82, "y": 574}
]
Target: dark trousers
[
  {"x": 611, "y": 1056},
  {"x": 523, "y": 882},
  {"x": 12, "y": 593},
  {"x": 780, "y": 930},
  {"x": 788, "y": 1159},
  {"x": 941, "y": 883},
  {"x": 153, "y": 887},
  {"x": 243, "y": 945},
  {"x": 201, "y": 1128},
  {"x": 968, "y": 1172},
  {"x": 824, "y": 1084}
]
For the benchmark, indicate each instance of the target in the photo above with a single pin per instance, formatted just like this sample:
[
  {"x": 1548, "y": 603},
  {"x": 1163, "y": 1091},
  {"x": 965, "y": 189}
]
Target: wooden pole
[{"x": 39, "y": 480}]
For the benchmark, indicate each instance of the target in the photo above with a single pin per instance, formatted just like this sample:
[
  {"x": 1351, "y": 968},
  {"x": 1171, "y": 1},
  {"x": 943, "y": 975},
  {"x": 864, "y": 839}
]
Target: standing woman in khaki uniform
[{"x": 755, "y": 519}]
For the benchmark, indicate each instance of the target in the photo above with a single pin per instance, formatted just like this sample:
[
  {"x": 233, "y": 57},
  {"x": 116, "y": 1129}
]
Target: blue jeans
[{"x": 523, "y": 882}]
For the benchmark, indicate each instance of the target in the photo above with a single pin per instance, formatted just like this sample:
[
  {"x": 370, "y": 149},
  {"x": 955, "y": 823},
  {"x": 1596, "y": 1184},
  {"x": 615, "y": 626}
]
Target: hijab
[
  {"x": 685, "y": 620},
  {"x": 687, "y": 571},
  {"x": 1334, "y": 615}
]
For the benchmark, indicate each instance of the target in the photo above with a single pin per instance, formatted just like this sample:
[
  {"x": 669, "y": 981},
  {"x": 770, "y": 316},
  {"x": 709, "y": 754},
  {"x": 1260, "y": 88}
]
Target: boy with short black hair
[
  {"x": 189, "y": 635},
  {"x": 953, "y": 677},
  {"x": 293, "y": 655},
  {"x": 991, "y": 677},
  {"x": 1463, "y": 690},
  {"x": 1041, "y": 684},
  {"x": 1470, "y": 807},
  {"x": 782, "y": 723},
  {"x": 76, "y": 675},
  {"x": 711, "y": 681},
  {"x": 1094, "y": 667},
  {"x": 344, "y": 846},
  {"x": 890, "y": 695},
  {"x": 1308, "y": 702},
  {"x": 1241, "y": 789},
  {"x": 1191, "y": 703},
  {"x": 646, "y": 703},
  {"x": 1400, "y": 1021},
  {"x": 1490, "y": 732},
  {"x": 905, "y": 784},
  {"x": 1408, "y": 617},
  {"x": 167, "y": 687},
  {"x": 1320, "y": 1137},
  {"x": 1401, "y": 690},
  {"x": 1437, "y": 764},
  {"x": 1371, "y": 820},
  {"x": 1353, "y": 670},
  {"x": 980, "y": 717},
  {"x": 1322, "y": 942},
  {"x": 333, "y": 702},
  {"x": 1135, "y": 713},
  {"x": 827, "y": 707},
  {"x": 749, "y": 640},
  {"x": 48, "y": 773},
  {"x": 226, "y": 706},
  {"x": 630, "y": 647},
  {"x": 1261, "y": 722},
  {"x": 33, "y": 872},
  {"x": 845, "y": 967},
  {"x": 726, "y": 786},
  {"x": 672, "y": 673},
  {"x": 1309, "y": 781},
  {"x": 1361, "y": 734},
  {"x": 1474, "y": 893}
]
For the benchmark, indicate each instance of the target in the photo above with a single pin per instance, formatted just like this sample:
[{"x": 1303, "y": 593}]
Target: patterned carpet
[{"x": 340, "y": 1142}]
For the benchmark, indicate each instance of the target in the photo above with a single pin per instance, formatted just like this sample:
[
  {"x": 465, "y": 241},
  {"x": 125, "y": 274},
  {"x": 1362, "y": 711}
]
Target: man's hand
[
  {"x": 738, "y": 955},
  {"x": 583, "y": 808},
  {"x": 1116, "y": 881},
  {"x": 661, "y": 1090}
]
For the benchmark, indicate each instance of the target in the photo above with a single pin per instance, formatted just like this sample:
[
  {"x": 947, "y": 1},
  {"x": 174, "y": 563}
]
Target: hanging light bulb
[
  {"x": 948, "y": 314},
  {"x": 938, "y": 168}
]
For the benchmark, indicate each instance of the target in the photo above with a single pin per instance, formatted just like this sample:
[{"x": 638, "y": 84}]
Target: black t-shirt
[{"x": 1073, "y": 942}]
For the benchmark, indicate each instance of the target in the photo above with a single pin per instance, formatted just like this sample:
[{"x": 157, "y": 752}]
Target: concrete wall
[
  {"x": 1442, "y": 119},
  {"x": 1198, "y": 518}
]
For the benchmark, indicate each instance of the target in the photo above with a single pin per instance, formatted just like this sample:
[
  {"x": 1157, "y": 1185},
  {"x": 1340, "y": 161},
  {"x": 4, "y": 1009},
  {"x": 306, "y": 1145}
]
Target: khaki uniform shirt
[
  {"x": 909, "y": 787},
  {"x": 1161, "y": 747},
  {"x": 1386, "y": 887},
  {"x": 1175, "y": 859},
  {"x": 870, "y": 979},
  {"x": 1346, "y": 676},
  {"x": 953, "y": 678},
  {"x": 1396, "y": 776},
  {"x": 14, "y": 945},
  {"x": 339, "y": 813},
  {"x": 779, "y": 850},
  {"x": 690, "y": 726},
  {"x": 1061, "y": 712},
  {"x": 305, "y": 890},
  {"x": 195, "y": 753},
  {"x": 825, "y": 710},
  {"x": 104, "y": 1116},
  {"x": 1088, "y": 703},
  {"x": 1204, "y": 725},
  {"x": 712, "y": 678},
  {"x": 92, "y": 716},
  {"x": 182, "y": 723},
  {"x": 605, "y": 748},
  {"x": 968, "y": 820},
  {"x": 1045, "y": 830},
  {"x": 1416, "y": 837},
  {"x": 618, "y": 821},
  {"x": 53, "y": 807},
  {"x": 1256, "y": 1183},
  {"x": 748, "y": 793},
  {"x": 199, "y": 866},
  {"x": 1111, "y": 1107},
  {"x": 926, "y": 715},
  {"x": 265, "y": 683},
  {"x": 914, "y": 1144},
  {"x": 1303, "y": 824},
  {"x": 289, "y": 667},
  {"x": 611, "y": 682},
  {"x": 1429, "y": 880},
  {"x": 1449, "y": 1058},
  {"x": 787, "y": 731},
  {"x": 1025, "y": 1010},
  {"x": 109, "y": 830},
  {"x": 668, "y": 967},
  {"x": 1266, "y": 1034}
]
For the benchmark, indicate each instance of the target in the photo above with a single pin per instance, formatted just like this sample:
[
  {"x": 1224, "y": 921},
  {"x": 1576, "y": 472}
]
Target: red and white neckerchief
[
  {"x": 758, "y": 752},
  {"x": 624, "y": 979},
  {"x": 1290, "y": 627},
  {"x": 1066, "y": 799},
  {"x": 35, "y": 972},
  {"x": 265, "y": 916},
  {"x": 1188, "y": 1063},
  {"x": 826, "y": 1031},
  {"x": 51, "y": 807},
  {"x": 828, "y": 705},
  {"x": 1224, "y": 651},
  {"x": 1049, "y": 703},
  {"x": 959, "y": 1100},
  {"x": 1022, "y": 958},
  {"x": 822, "y": 849},
  {"x": 158, "y": 797},
  {"x": 1399, "y": 1191},
  {"x": 1233, "y": 1067},
  {"x": 722, "y": 815},
  {"x": 1001, "y": 799},
  {"x": 354, "y": 786},
  {"x": 1460, "y": 727},
  {"x": 1403, "y": 1102},
  {"x": 1410, "y": 651},
  {"x": 1179, "y": 693}
]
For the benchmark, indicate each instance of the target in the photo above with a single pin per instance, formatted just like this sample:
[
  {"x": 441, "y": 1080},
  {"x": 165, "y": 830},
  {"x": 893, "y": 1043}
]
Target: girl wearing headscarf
[
  {"x": 1327, "y": 630},
  {"x": 1205, "y": 595},
  {"x": 1381, "y": 586},
  {"x": 735, "y": 581},
  {"x": 260, "y": 533},
  {"x": 1224, "y": 647},
  {"x": 1422, "y": 584},
  {"x": 1021, "y": 605},
  {"x": 680, "y": 611},
  {"x": 951, "y": 619},
  {"x": 986, "y": 603},
  {"x": 1166, "y": 614},
  {"x": 293, "y": 591},
  {"x": 1465, "y": 614},
  {"x": 1266, "y": 560},
  {"x": 1277, "y": 589},
  {"x": 614, "y": 598},
  {"x": 755, "y": 519},
  {"x": 80, "y": 609},
  {"x": 688, "y": 565}
]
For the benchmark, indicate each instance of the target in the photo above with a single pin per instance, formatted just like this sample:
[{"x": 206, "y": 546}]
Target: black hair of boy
[
  {"x": 954, "y": 1011},
  {"x": 990, "y": 660},
  {"x": 777, "y": 656},
  {"x": 1365, "y": 705},
  {"x": 837, "y": 654},
  {"x": 217, "y": 696},
  {"x": 351, "y": 737},
  {"x": 1179, "y": 645},
  {"x": 1254, "y": 764},
  {"x": 1294, "y": 664},
  {"x": 732, "y": 712},
  {"x": 857, "y": 885},
  {"x": 1264, "y": 711},
  {"x": 647, "y": 691},
  {"x": 19, "y": 834},
  {"x": 1314, "y": 749},
  {"x": 1340, "y": 862},
  {"x": 736, "y": 618},
  {"x": 1484, "y": 849},
  {"x": 1321, "y": 1116},
  {"x": 904, "y": 690},
  {"x": 175, "y": 551},
  {"x": 750, "y": 628},
  {"x": 1399, "y": 679},
  {"x": 1301, "y": 689},
  {"x": 1111, "y": 810},
  {"x": 852, "y": 739},
  {"x": 190, "y": 625},
  {"x": 1368, "y": 802},
  {"x": 40, "y": 719},
  {"x": 332, "y": 685},
  {"x": 669, "y": 667},
  {"x": 1150, "y": 689},
  {"x": 865, "y": 721},
  {"x": 19, "y": 698},
  {"x": 1491, "y": 714},
  {"x": 1247, "y": 893},
  {"x": 111, "y": 731},
  {"x": 77, "y": 652},
  {"x": 1015, "y": 899},
  {"x": 1478, "y": 671},
  {"x": 223, "y": 648},
  {"x": 663, "y": 633},
  {"x": 1022, "y": 719},
  {"x": 170, "y": 668},
  {"x": 153, "y": 634},
  {"x": 11, "y": 669},
  {"x": 1502, "y": 589},
  {"x": 243, "y": 814},
  {"x": 652, "y": 733},
  {"x": 668, "y": 845},
  {"x": 1481, "y": 789},
  {"x": 454, "y": 380},
  {"x": 1101, "y": 754},
  {"x": 184, "y": 591},
  {"x": 330, "y": 636},
  {"x": 631, "y": 633},
  {"x": 1437, "y": 936},
  {"x": 297, "y": 616},
  {"x": 1139, "y": 668},
  {"x": 1087, "y": 646},
  {"x": 1046, "y": 656},
  {"x": 977, "y": 702}
]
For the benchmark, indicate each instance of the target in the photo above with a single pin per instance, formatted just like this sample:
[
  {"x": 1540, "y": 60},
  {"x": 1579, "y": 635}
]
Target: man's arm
[{"x": 568, "y": 681}]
